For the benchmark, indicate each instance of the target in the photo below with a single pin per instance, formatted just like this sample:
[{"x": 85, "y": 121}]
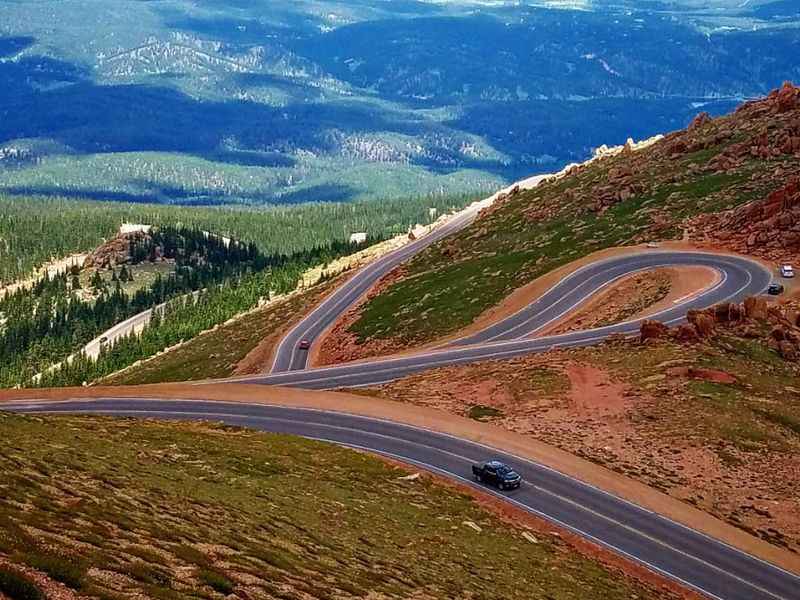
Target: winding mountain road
[
  {"x": 700, "y": 562},
  {"x": 288, "y": 357},
  {"x": 692, "y": 558},
  {"x": 513, "y": 336}
]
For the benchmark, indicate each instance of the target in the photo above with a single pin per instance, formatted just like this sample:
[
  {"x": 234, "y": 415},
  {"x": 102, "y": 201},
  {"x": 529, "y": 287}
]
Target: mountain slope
[
  {"x": 116, "y": 508},
  {"x": 262, "y": 102},
  {"x": 656, "y": 191}
]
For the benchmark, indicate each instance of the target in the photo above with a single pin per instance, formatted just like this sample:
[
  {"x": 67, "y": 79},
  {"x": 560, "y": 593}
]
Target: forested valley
[
  {"x": 36, "y": 230},
  {"x": 213, "y": 280}
]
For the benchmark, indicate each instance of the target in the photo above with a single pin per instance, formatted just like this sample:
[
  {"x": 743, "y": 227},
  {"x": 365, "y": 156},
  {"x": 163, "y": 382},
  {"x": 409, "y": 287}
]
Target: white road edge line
[{"x": 434, "y": 432}]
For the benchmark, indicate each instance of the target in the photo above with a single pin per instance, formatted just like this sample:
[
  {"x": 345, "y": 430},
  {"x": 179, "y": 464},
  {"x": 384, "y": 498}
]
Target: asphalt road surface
[
  {"x": 739, "y": 277},
  {"x": 687, "y": 556},
  {"x": 288, "y": 357}
]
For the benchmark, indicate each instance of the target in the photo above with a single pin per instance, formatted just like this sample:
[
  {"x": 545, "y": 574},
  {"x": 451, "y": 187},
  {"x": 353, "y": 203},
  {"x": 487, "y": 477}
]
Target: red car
[{"x": 304, "y": 345}]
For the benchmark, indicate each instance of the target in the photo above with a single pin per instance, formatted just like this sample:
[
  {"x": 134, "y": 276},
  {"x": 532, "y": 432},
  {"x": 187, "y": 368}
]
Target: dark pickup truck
[{"x": 498, "y": 474}]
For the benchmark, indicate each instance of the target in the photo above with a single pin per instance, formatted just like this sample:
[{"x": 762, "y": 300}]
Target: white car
[{"x": 787, "y": 271}]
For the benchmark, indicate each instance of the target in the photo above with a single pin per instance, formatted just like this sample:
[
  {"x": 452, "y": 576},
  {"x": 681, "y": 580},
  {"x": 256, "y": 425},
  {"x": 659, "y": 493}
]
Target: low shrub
[
  {"x": 17, "y": 586},
  {"x": 216, "y": 581}
]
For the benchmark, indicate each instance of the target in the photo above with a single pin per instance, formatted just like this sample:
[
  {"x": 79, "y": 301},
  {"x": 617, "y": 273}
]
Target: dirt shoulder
[
  {"x": 515, "y": 442},
  {"x": 48, "y": 270}
]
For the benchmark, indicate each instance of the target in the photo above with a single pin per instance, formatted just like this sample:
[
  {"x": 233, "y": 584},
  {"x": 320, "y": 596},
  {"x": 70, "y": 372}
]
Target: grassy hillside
[
  {"x": 625, "y": 198},
  {"x": 118, "y": 508},
  {"x": 221, "y": 352}
]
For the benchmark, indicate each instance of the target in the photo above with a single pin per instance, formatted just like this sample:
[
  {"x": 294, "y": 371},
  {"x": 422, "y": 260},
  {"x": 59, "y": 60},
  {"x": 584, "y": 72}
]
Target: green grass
[
  {"x": 17, "y": 586},
  {"x": 216, "y": 581},
  {"x": 178, "y": 510},
  {"x": 69, "y": 570},
  {"x": 480, "y": 412},
  {"x": 442, "y": 295},
  {"x": 450, "y": 284}
]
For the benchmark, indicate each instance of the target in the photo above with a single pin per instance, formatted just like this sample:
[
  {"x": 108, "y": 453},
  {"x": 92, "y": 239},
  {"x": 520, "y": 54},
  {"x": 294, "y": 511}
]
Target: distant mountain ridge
[{"x": 283, "y": 102}]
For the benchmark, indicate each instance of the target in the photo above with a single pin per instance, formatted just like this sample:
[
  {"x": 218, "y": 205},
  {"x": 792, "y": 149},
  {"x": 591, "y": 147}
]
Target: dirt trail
[
  {"x": 436, "y": 420},
  {"x": 52, "y": 268}
]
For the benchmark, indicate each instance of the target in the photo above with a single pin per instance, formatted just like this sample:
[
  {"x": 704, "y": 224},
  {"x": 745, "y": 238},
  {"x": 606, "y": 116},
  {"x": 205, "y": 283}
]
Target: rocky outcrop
[
  {"x": 114, "y": 252},
  {"x": 653, "y": 330},
  {"x": 755, "y": 308},
  {"x": 769, "y": 227},
  {"x": 700, "y": 120},
  {"x": 787, "y": 98},
  {"x": 702, "y": 322},
  {"x": 741, "y": 320}
]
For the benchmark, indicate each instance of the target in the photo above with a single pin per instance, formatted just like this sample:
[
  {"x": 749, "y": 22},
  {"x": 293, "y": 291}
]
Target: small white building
[
  {"x": 358, "y": 238},
  {"x": 134, "y": 228}
]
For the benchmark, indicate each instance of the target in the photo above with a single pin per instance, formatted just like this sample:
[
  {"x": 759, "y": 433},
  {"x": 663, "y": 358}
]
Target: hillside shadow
[
  {"x": 160, "y": 194},
  {"x": 55, "y": 100},
  {"x": 9, "y": 46}
]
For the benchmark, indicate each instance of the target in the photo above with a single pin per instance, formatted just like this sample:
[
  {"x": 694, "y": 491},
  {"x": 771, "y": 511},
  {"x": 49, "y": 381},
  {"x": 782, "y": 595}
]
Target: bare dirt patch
[
  {"x": 715, "y": 426},
  {"x": 637, "y": 296},
  {"x": 48, "y": 270},
  {"x": 591, "y": 389}
]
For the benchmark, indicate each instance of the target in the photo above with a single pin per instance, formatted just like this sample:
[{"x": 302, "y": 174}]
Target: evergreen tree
[{"x": 97, "y": 281}]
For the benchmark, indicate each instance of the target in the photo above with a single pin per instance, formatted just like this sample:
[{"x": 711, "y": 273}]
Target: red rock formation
[
  {"x": 702, "y": 322},
  {"x": 115, "y": 251},
  {"x": 653, "y": 330},
  {"x": 787, "y": 98},
  {"x": 769, "y": 227},
  {"x": 755, "y": 308},
  {"x": 699, "y": 121}
]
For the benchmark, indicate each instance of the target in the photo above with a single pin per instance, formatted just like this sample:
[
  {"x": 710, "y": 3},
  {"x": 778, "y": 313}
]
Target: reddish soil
[
  {"x": 647, "y": 431},
  {"x": 637, "y": 296},
  {"x": 591, "y": 390}
]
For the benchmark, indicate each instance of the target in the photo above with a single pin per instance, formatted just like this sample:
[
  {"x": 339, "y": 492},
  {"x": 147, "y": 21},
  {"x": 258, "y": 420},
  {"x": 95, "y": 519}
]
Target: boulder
[
  {"x": 687, "y": 334},
  {"x": 702, "y": 322},
  {"x": 780, "y": 334},
  {"x": 787, "y": 98},
  {"x": 787, "y": 350},
  {"x": 755, "y": 308},
  {"x": 714, "y": 375},
  {"x": 699, "y": 121},
  {"x": 653, "y": 330},
  {"x": 728, "y": 312}
]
